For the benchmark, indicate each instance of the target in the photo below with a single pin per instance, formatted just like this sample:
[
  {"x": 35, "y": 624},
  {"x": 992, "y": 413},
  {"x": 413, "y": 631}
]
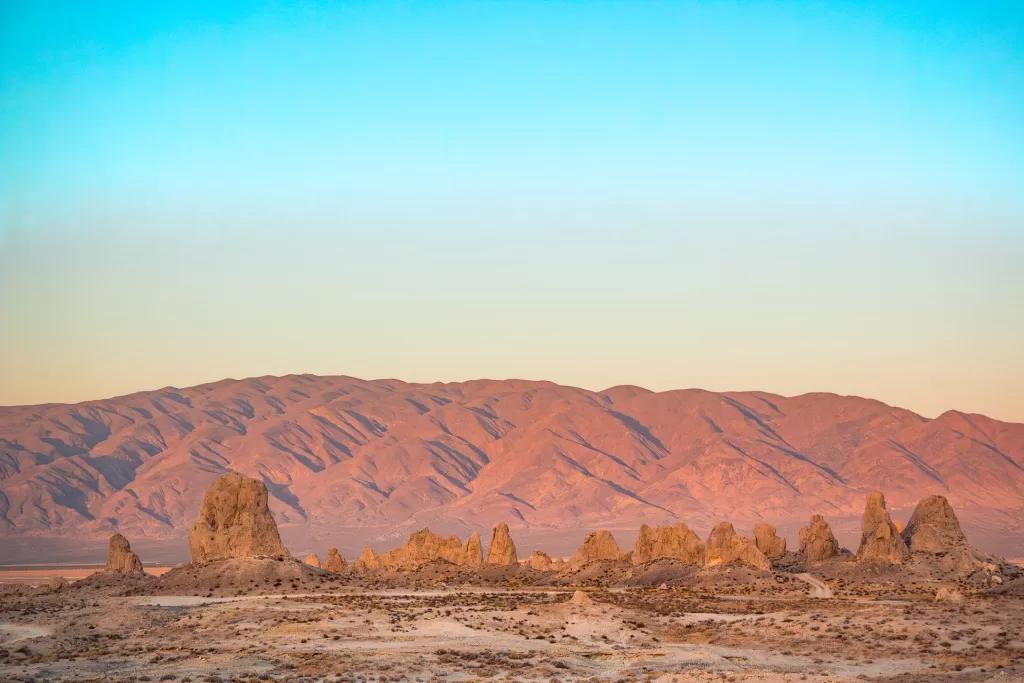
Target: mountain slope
[{"x": 343, "y": 452}]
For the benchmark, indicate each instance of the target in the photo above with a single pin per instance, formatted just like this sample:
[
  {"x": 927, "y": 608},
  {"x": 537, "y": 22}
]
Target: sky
[{"x": 776, "y": 196}]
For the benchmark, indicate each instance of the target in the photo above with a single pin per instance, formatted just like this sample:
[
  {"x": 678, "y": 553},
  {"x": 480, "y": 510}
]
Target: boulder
[
  {"x": 502, "y": 550},
  {"x": 335, "y": 562},
  {"x": 934, "y": 528},
  {"x": 771, "y": 545},
  {"x": 880, "y": 542},
  {"x": 120, "y": 557},
  {"x": 817, "y": 543},
  {"x": 678, "y": 542},
  {"x": 599, "y": 545},
  {"x": 57, "y": 583},
  {"x": 725, "y": 546},
  {"x": 425, "y": 546},
  {"x": 235, "y": 521},
  {"x": 312, "y": 560},
  {"x": 367, "y": 560}
]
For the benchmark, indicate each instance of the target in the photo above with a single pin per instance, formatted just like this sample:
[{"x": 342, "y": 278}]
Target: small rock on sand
[
  {"x": 582, "y": 599},
  {"x": 949, "y": 595},
  {"x": 57, "y": 583}
]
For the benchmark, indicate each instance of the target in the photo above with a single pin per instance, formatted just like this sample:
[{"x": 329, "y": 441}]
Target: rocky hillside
[{"x": 338, "y": 452}]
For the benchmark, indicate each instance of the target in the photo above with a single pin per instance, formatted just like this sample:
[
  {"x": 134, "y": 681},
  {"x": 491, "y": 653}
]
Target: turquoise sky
[{"x": 739, "y": 195}]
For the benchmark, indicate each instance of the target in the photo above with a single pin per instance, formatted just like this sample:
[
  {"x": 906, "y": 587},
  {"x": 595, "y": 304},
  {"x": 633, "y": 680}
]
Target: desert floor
[
  {"x": 342, "y": 633},
  {"x": 40, "y": 573}
]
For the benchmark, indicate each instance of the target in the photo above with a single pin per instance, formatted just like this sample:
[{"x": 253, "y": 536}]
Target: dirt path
[
  {"x": 13, "y": 633},
  {"x": 819, "y": 589}
]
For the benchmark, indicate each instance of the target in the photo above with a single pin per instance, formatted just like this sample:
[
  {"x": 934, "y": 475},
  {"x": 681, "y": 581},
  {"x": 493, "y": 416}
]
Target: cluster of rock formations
[
  {"x": 334, "y": 563},
  {"x": 725, "y": 546},
  {"x": 932, "y": 529},
  {"x": 679, "y": 542},
  {"x": 235, "y": 522},
  {"x": 425, "y": 546},
  {"x": 543, "y": 562}
]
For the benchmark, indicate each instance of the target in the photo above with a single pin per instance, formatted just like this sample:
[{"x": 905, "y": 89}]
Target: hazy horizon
[{"x": 776, "y": 197}]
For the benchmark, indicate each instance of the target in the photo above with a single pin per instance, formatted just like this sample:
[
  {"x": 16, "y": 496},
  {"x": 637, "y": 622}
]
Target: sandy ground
[
  {"x": 13, "y": 633},
  {"x": 342, "y": 633},
  {"x": 39, "y": 576}
]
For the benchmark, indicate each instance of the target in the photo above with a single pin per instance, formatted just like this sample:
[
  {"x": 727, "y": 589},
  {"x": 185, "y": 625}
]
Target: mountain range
[{"x": 378, "y": 458}]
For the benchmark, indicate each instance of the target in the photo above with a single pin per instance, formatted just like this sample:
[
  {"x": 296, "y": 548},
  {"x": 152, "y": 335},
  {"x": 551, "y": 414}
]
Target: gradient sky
[{"x": 788, "y": 197}]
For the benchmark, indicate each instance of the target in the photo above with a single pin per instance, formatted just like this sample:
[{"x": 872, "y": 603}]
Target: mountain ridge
[{"x": 339, "y": 451}]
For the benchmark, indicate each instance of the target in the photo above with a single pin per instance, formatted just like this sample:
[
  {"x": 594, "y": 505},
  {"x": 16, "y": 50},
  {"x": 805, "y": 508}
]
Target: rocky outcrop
[
  {"x": 502, "y": 550},
  {"x": 772, "y": 546},
  {"x": 599, "y": 545},
  {"x": 235, "y": 521},
  {"x": 425, "y": 546},
  {"x": 817, "y": 543},
  {"x": 367, "y": 560},
  {"x": 880, "y": 541},
  {"x": 335, "y": 562},
  {"x": 312, "y": 560},
  {"x": 473, "y": 548},
  {"x": 120, "y": 557},
  {"x": 678, "y": 542},
  {"x": 540, "y": 561},
  {"x": 934, "y": 528},
  {"x": 725, "y": 546}
]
